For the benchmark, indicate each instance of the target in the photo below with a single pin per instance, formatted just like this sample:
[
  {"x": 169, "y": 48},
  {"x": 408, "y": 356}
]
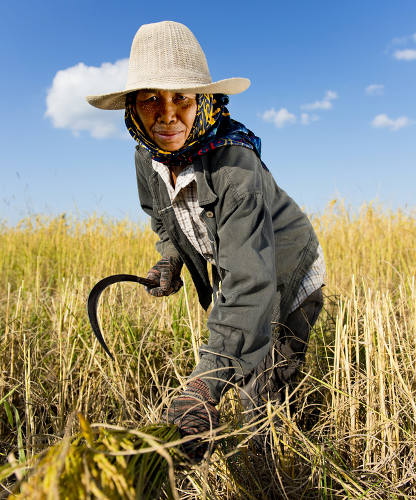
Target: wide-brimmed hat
[{"x": 167, "y": 56}]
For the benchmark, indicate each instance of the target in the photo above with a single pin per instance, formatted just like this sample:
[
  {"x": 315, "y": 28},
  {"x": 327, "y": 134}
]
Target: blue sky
[{"x": 333, "y": 97}]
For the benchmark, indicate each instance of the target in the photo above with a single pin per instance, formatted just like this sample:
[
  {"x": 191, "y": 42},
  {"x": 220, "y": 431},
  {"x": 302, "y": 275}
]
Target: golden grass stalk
[{"x": 353, "y": 432}]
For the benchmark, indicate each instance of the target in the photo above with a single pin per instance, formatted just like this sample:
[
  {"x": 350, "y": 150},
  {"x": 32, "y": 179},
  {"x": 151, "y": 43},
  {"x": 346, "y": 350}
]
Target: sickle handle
[{"x": 92, "y": 302}]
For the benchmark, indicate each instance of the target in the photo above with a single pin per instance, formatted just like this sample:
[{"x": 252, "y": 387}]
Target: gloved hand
[
  {"x": 166, "y": 276},
  {"x": 194, "y": 412}
]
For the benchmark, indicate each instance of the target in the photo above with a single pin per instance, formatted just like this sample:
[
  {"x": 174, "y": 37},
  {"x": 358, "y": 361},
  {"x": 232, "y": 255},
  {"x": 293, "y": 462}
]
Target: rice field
[{"x": 75, "y": 424}]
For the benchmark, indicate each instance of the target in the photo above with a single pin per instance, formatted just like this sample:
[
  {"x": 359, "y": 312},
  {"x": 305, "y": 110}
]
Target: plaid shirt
[
  {"x": 187, "y": 210},
  {"x": 186, "y": 207},
  {"x": 312, "y": 280}
]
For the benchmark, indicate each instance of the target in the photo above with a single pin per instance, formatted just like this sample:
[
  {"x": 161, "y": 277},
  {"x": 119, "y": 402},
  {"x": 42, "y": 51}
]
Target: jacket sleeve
[
  {"x": 164, "y": 246},
  {"x": 239, "y": 322}
]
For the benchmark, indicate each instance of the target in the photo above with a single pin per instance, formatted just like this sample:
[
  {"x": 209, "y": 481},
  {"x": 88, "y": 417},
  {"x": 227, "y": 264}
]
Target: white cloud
[
  {"x": 405, "y": 55},
  {"x": 375, "y": 89},
  {"x": 283, "y": 117},
  {"x": 402, "y": 40},
  {"x": 307, "y": 119},
  {"x": 383, "y": 121},
  {"x": 66, "y": 105},
  {"x": 325, "y": 103},
  {"x": 279, "y": 118}
]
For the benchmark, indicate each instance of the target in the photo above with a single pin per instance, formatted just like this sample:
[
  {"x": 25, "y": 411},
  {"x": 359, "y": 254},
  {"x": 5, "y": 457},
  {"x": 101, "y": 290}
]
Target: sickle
[{"x": 92, "y": 302}]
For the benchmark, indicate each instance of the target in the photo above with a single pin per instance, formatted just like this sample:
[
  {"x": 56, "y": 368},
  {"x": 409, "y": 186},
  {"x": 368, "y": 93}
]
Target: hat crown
[{"x": 166, "y": 51}]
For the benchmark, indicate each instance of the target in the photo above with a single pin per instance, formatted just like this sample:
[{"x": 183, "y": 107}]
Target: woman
[{"x": 211, "y": 199}]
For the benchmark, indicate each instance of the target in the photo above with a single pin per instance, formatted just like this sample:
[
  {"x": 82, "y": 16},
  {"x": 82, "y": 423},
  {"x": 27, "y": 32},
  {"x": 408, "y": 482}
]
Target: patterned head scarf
[{"x": 212, "y": 128}]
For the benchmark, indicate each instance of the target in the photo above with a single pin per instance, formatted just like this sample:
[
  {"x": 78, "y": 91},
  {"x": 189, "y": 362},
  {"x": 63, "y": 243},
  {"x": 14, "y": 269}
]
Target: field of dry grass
[{"x": 353, "y": 434}]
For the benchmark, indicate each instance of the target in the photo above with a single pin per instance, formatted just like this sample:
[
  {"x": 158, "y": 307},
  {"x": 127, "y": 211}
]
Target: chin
[{"x": 170, "y": 147}]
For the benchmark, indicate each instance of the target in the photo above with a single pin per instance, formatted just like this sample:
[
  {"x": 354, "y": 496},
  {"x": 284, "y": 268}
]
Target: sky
[{"x": 332, "y": 96}]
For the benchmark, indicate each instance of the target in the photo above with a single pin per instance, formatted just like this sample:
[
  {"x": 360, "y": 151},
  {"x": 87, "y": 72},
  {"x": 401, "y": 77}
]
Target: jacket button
[{"x": 209, "y": 214}]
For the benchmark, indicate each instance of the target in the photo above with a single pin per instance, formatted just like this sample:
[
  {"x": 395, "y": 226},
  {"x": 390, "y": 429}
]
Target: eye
[
  {"x": 144, "y": 100},
  {"x": 184, "y": 100}
]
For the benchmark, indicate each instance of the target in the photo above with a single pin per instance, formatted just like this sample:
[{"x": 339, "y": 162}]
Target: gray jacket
[{"x": 262, "y": 243}]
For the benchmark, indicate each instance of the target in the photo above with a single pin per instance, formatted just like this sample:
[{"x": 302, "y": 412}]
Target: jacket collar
[{"x": 206, "y": 195}]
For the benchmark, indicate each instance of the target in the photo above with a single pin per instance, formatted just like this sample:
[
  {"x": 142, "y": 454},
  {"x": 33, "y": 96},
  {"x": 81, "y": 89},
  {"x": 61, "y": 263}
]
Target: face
[{"x": 167, "y": 116}]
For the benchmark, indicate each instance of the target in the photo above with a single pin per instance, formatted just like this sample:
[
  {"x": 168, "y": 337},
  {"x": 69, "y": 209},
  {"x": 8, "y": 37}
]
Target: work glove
[
  {"x": 194, "y": 412},
  {"x": 166, "y": 276}
]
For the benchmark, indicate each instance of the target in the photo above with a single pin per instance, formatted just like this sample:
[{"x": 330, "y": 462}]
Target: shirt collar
[{"x": 182, "y": 181}]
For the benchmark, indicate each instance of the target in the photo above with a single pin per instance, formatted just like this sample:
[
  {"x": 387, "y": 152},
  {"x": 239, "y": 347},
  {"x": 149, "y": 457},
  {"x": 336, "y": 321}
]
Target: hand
[
  {"x": 194, "y": 412},
  {"x": 166, "y": 276}
]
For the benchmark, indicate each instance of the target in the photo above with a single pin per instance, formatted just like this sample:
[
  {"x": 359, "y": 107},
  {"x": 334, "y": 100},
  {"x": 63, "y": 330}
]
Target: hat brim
[{"x": 116, "y": 100}]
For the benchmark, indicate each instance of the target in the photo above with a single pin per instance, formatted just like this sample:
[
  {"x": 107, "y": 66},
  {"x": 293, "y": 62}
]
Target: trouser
[{"x": 276, "y": 375}]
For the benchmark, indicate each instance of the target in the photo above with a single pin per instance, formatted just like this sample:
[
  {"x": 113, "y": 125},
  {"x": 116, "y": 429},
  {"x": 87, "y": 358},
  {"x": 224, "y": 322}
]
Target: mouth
[{"x": 167, "y": 134}]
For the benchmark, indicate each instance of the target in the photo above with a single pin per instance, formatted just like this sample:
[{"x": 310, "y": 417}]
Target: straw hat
[{"x": 167, "y": 56}]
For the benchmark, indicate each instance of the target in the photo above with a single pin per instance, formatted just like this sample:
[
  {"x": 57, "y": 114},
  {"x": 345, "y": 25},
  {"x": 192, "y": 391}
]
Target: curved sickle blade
[{"x": 93, "y": 297}]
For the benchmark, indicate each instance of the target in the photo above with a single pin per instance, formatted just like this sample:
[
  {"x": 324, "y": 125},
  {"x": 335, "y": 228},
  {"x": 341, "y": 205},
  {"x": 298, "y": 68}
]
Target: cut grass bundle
[{"x": 102, "y": 462}]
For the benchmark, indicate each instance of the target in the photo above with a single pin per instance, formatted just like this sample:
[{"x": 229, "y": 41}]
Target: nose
[{"x": 167, "y": 111}]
